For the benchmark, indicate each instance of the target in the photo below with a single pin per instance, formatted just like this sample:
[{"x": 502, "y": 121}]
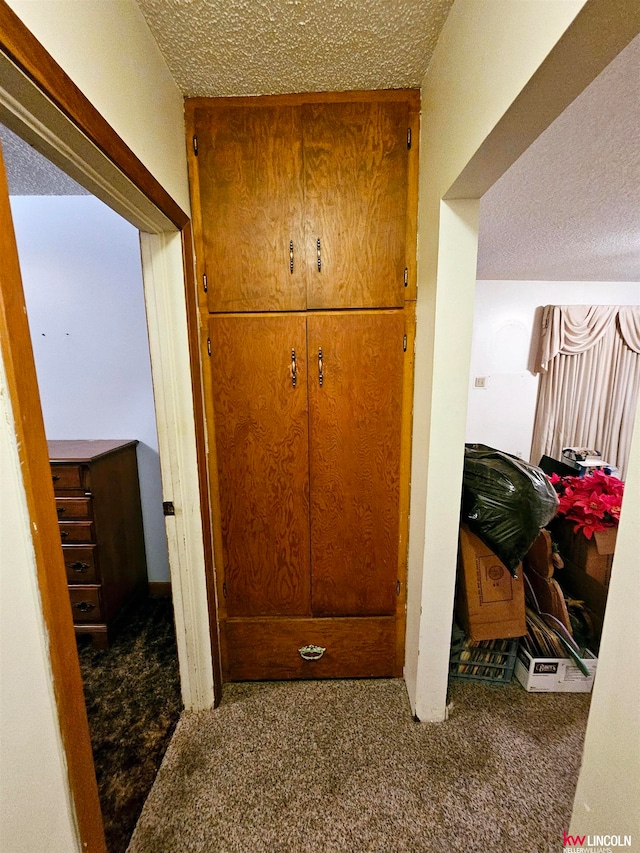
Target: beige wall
[
  {"x": 35, "y": 809},
  {"x": 109, "y": 53},
  {"x": 107, "y": 50},
  {"x": 608, "y": 796},
  {"x": 487, "y": 53}
]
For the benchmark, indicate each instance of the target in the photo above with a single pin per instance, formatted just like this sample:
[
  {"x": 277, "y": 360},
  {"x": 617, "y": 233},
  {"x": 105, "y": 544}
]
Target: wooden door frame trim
[
  {"x": 17, "y": 356},
  {"x": 19, "y": 45}
]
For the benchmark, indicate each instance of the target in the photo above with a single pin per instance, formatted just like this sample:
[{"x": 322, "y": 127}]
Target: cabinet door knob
[
  {"x": 320, "y": 367},
  {"x": 294, "y": 369},
  {"x": 312, "y": 652},
  {"x": 318, "y": 250},
  {"x": 291, "y": 256}
]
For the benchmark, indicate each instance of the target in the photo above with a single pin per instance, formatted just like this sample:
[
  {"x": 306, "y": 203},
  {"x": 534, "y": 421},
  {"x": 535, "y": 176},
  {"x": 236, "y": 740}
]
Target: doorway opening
[
  {"x": 554, "y": 230},
  {"x": 82, "y": 279}
]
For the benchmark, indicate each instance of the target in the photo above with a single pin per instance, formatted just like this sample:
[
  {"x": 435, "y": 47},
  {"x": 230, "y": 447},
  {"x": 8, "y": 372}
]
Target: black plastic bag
[{"x": 505, "y": 501}]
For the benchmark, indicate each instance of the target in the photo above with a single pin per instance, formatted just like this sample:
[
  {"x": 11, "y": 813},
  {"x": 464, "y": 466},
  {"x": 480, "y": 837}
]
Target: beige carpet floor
[{"x": 310, "y": 767}]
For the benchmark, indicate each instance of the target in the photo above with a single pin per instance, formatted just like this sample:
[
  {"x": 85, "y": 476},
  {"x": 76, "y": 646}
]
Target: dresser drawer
[
  {"x": 80, "y": 563},
  {"x": 67, "y": 476},
  {"x": 76, "y": 531},
  {"x": 70, "y": 509},
  {"x": 86, "y": 605}
]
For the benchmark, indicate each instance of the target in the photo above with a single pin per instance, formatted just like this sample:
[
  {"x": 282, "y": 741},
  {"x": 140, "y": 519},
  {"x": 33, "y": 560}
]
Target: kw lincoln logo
[{"x": 594, "y": 843}]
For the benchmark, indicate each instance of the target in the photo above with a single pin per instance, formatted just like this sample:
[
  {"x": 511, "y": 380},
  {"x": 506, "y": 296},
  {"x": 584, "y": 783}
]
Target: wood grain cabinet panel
[
  {"x": 261, "y": 427},
  {"x": 355, "y": 174},
  {"x": 270, "y": 648},
  {"x": 249, "y": 166},
  {"x": 355, "y": 423}
]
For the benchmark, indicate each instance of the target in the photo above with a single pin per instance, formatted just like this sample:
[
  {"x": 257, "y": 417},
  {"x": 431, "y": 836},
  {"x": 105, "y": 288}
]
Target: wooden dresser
[{"x": 98, "y": 505}]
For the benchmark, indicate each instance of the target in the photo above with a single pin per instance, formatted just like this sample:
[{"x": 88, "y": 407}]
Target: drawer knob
[
  {"x": 55, "y": 478},
  {"x": 64, "y": 534},
  {"x": 84, "y": 606},
  {"x": 78, "y": 566},
  {"x": 311, "y": 652},
  {"x": 60, "y": 510}
]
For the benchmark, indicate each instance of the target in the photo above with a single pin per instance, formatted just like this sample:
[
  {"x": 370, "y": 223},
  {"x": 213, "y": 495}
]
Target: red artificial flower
[{"x": 592, "y": 502}]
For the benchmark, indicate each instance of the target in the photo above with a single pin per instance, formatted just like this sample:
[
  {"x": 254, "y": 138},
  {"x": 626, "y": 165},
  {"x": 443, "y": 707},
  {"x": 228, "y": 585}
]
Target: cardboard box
[
  {"x": 594, "y": 556},
  {"x": 490, "y": 601},
  {"x": 554, "y": 675}
]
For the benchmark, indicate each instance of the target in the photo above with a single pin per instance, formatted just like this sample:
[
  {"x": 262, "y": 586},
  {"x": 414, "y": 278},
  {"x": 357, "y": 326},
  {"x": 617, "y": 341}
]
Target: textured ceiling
[
  {"x": 29, "y": 173},
  {"x": 251, "y": 47},
  {"x": 569, "y": 207}
]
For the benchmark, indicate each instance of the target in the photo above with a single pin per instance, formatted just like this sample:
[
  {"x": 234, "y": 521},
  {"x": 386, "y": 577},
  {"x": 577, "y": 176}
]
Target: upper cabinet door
[
  {"x": 355, "y": 176},
  {"x": 249, "y": 178}
]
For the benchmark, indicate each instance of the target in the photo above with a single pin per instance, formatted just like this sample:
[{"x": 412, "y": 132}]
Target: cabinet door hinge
[
  {"x": 168, "y": 508},
  {"x": 406, "y": 277},
  {"x": 408, "y": 138},
  {"x": 205, "y": 284},
  {"x": 195, "y": 145},
  {"x": 404, "y": 343},
  {"x": 209, "y": 346}
]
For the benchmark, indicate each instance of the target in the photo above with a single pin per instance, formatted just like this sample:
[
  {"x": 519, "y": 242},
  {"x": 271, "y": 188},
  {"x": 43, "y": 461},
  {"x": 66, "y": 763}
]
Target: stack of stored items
[
  {"x": 505, "y": 553},
  {"x": 585, "y": 532},
  {"x": 505, "y": 502},
  {"x": 550, "y": 658},
  {"x": 486, "y": 660}
]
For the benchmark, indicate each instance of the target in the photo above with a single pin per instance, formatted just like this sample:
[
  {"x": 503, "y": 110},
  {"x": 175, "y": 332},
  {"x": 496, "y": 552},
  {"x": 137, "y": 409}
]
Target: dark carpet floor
[
  {"x": 132, "y": 693},
  {"x": 318, "y": 767}
]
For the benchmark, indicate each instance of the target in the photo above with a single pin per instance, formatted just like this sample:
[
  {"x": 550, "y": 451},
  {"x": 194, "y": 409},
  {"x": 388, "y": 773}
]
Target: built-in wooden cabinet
[
  {"x": 302, "y": 205},
  {"x": 304, "y": 215}
]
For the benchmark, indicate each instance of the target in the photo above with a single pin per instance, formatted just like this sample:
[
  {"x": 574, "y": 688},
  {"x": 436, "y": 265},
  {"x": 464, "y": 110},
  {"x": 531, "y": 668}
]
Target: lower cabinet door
[
  {"x": 355, "y": 418},
  {"x": 259, "y": 382},
  {"x": 308, "y": 415}
]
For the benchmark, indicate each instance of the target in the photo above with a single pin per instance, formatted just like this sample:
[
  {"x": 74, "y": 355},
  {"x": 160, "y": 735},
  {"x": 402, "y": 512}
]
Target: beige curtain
[{"x": 589, "y": 361}]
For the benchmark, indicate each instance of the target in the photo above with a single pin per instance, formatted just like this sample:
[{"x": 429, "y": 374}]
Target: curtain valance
[
  {"x": 589, "y": 358},
  {"x": 572, "y": 329}
]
